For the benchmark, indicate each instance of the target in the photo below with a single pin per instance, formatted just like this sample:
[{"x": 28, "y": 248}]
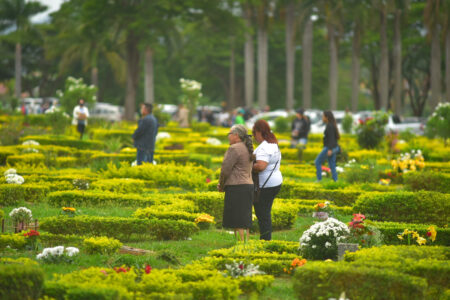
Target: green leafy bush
[
  {"x": 317, "y": 280},
  {"x": 419, "y": 207},
  {"x": 347, "y": 123},
  {"x": 74, "y": 90},
  {"x": 156, "y": 213},
  {"x": 29, "y": 158},
  {"x": 62, "y": 140},
  {"x": 361, "y": 173},
  {"x": 121, "y": 185},
  {"x": 430, "y": 181},
  {"x": 200, "y": 126},
  {"x": 371, "y": 132},
  {"x": 15, "y": 241},
  {"x": 282, "y": 124},
  {"x": 120, "y": 228},
  {"x": 439, "y": 122},
  {"x": 339, "y": 197},
  {"x": 102, "y": 245},
  {"x": 19, "y": 282}
]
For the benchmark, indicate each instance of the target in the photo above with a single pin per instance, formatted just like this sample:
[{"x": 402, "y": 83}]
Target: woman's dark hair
[
  {"x": 267, "y": 134},
  {"x": 331, "y": 120},
  {"x": 241, "y": 131}
]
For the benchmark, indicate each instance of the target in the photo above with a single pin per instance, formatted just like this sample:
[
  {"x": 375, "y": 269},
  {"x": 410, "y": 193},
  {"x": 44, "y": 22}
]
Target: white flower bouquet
[
  {"x": 14, "y": 179},
  {"x": 320, "y": 240},
  {"x": 240, "y": 269},
  {"x": 213, "y": 141},
  {"x": 21, "y": 215},
  {"x": 58, "y": 254}
]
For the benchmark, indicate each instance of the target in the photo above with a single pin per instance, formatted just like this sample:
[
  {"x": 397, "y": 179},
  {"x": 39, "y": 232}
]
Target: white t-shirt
[{"x": 269, "y": 153}]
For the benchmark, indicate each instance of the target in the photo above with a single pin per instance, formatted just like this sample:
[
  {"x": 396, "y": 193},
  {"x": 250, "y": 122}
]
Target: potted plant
[{"x": 322, "y": 211}]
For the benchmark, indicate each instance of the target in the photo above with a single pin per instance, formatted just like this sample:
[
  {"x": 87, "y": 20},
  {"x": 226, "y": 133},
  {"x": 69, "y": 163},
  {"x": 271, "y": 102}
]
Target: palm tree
[
  {"x": 307, "y": 47},
  {"x": 432, "y": 22},
  {"x": 15, "y": 15},
  {"x": 249, "y": 55}
]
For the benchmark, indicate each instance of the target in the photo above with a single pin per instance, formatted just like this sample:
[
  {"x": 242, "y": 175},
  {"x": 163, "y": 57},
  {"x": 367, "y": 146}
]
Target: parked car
[
  {"x": 107, "y": 111},
  {"x": 268, "y": 116},
  {"x": 413, "y": 124}
]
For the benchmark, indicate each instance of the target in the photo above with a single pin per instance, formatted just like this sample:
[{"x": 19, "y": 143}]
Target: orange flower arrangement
[{"x": 295, "y": 264}]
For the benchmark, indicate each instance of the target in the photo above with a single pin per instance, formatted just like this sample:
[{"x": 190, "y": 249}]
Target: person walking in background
[
  {"x": 267, "y": 165},
  {"x": 145, "y": 135},
  {"x": 183, "y": 116},
  {"x": 239, "y": 120},
  {"x": 236, "y": 181},
  {"x": 80, "y": 116},
  {"x": 300, "y": 129},
  {"x": 330, "y": 146}
]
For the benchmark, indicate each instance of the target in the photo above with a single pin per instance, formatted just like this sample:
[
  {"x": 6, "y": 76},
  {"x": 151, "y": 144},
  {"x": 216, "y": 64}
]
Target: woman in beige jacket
[{"x": 236, "y": 181}]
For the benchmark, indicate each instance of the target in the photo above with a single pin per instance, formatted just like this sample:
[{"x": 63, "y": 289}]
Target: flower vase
[
  {"x": 321, "y": 215},
  {"x": 344, "y": 247}
]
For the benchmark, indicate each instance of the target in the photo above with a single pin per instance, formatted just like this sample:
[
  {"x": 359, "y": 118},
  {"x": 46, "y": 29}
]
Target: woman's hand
[
  {"x": 330, "y": 152},
  {"x": 259, "y": 166}
]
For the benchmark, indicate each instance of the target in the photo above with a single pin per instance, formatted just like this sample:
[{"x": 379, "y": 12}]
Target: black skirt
[{"x": 237, "y": 212}]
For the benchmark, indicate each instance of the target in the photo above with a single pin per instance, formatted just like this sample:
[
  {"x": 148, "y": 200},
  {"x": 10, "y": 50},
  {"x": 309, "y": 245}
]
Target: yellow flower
[
  {"x": 205, "y": 218},
  {"x": 432, "y": 232},
  {"x": 415, "y": 235},
  {"x": 400, "y": 236},
  {"x": 421, "y": 241},
  {"x": 71, "y": 209}
]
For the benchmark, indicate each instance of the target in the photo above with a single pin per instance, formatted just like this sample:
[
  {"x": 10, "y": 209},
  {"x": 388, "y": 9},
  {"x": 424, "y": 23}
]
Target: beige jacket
[{"x": 236, "y": 166}]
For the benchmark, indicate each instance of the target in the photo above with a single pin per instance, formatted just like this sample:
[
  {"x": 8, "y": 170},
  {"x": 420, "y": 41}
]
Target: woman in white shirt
[{"x": 267, "y": 164}]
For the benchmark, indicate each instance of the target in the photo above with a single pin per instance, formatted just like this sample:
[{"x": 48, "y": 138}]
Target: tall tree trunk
[
  {"x": 290, "y": 55},
  {"x": 307, "y": 46},
  {"x": 383, "y": 74},
  {"x": 447, "y": 65},
  {"x": 132, "y": 61},
  {"x": 94, "y": 80},
  {"x": 398, "y": 79},
  {"x": 249, "y": 61},
  {"x": 435, "y": 70},
  {"x": 232, "y": 93},
  {"x": 356, "y": 65},
  {"x": 18, "y": 71},
  {"x": 333, "y": 72},
  {"x": 262, "y": 65},
  {"x": 149, "y": 75}
]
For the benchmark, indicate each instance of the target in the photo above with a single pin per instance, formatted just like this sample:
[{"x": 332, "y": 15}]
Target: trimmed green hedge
[
  {"x": 391, "y": 229},
  {"x": 20, "y": 282},
  {"x": 11, "y": 194},
  {"x": 340, "y": 197},
  {"x": 430, "y": 181},
  {"x": 120, "y": 228},
  {"x": 410, "y": 207},
  {"x": 62, "y": 140},
  {"x": 97, "y": 198},
  {"x": 323, "y": 280}
]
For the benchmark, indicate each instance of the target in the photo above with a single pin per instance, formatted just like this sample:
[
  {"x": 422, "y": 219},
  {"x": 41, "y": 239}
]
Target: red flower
[
  {"x": 121, "y": 270},
  {"x": 326, "y": 169},
  {"x": 428, "y": 234},
  {"x": 31, "y": 233},
  {"x": 104, "y": 272},
  {"x": 241, "y": 266},
  {"x": 208, "y": 180},
  {"x": 148, "y": 269}
]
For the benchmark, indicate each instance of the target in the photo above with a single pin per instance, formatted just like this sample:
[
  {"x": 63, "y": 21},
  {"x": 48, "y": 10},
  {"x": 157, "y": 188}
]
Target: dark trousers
[
  {"x": 263, "y": 210},
  {"x": 144, "y": 156},
  {"x": 80, "y": 129}
]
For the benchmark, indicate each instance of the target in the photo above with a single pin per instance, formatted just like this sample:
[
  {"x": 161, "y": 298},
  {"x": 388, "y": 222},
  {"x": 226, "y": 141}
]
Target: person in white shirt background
[
  {"x": 80, "y": 116},
  {"x": 267, "y": 164}
]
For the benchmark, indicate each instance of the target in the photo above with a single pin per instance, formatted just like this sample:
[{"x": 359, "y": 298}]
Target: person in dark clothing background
[
  {"x": 299, "y": 129},
  {"x": 330, "y": 146},
  {"x": 145, "y": 135}
]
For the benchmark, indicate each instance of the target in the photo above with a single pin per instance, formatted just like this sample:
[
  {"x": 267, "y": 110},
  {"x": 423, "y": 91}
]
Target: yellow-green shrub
[
  {"x": 67, "y": 141},
  {"x": 103, "y": 245},
  {"x": 121, "y": 185},
  {"x": 117, "y": 227},
  {"x": 30, "y": 158},
  {"x": 151, "y": 213},
  {"x": 419, "y": 207},
  {"x": 19, "y": 282},
  {"x": 11, "y": 194},
  {"x": 316, "y": 280},
  {"x": 15, "y": 241}
]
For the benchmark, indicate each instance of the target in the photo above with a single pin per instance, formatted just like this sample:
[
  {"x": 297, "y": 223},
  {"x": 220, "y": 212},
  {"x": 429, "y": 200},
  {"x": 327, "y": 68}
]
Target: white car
[
  {"x": 107, "y": 111},
  {"x": 268, "y": 116},
  {"x": 412, "y": 124}
]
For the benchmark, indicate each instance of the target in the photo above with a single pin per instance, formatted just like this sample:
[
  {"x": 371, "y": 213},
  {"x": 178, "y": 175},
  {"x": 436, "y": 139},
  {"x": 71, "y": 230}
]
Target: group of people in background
[{"x": 249, "y": 177}]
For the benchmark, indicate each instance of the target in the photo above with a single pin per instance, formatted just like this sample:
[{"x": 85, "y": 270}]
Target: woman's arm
[
  {"x": 229, "y": 161},
  {"x": 259, "y": 166}
]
